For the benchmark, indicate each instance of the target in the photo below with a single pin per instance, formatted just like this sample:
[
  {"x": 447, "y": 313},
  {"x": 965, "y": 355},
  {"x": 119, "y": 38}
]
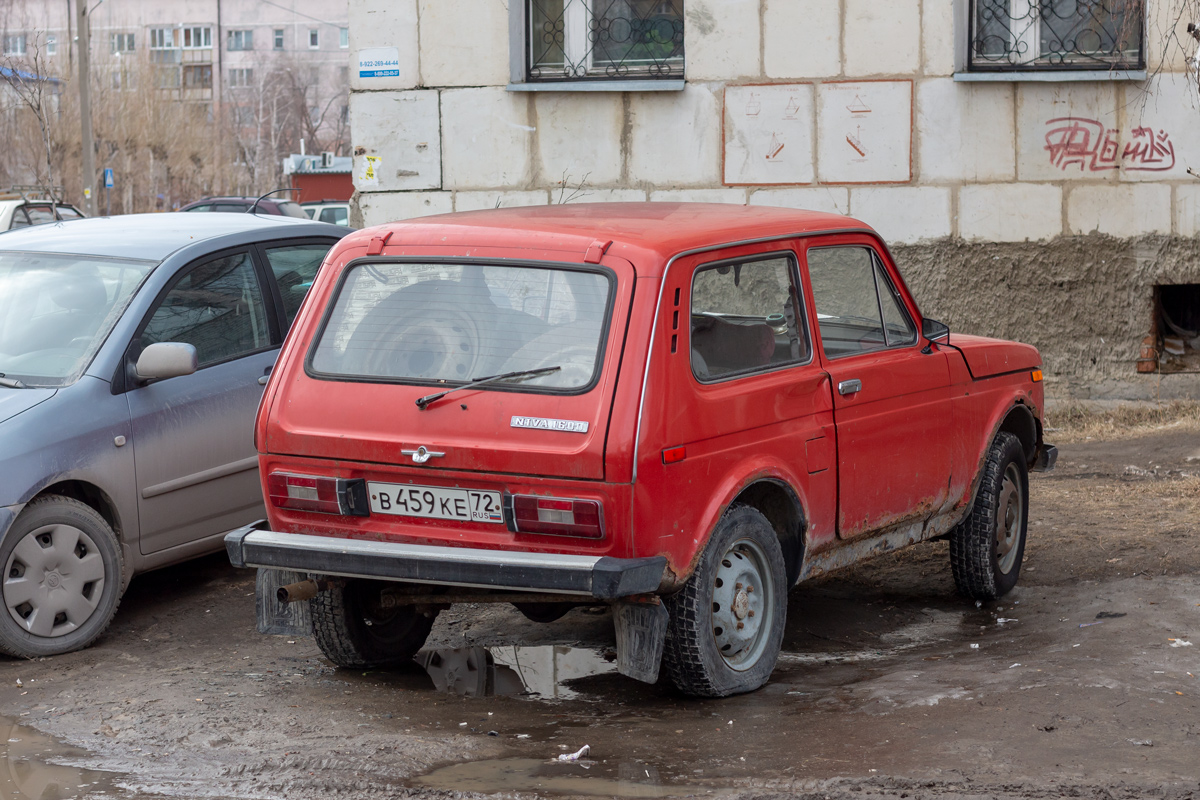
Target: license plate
[{"x": 435, "y": 502}]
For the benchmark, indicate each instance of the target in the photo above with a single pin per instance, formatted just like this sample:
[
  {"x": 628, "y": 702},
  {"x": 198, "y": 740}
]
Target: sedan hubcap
[
  {"x": 1010, "y": 517},
  {"x": 53, "y": 580},
  {"x": 742, "y": 598}
]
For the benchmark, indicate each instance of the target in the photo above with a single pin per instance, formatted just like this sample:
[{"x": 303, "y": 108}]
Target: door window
[
  {"x": 40, "y": 215},
  {"x": 217, "y": 307},
  {"x": 858, "y": 310},
  {"x": 294, "y": 269},
  {"x": 19, "y": 220},
  {"x": 746, "y": 318},
  {"x": 336, "y": 215}
]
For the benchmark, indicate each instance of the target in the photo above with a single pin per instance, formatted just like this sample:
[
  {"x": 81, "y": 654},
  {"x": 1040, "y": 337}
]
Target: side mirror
[
  {"x": 166, "y": 360},
  {"x": 934, "y": 331}
]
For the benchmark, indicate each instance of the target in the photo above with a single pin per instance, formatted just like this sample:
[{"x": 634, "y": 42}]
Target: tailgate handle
[{"x": 850, "y": 387}]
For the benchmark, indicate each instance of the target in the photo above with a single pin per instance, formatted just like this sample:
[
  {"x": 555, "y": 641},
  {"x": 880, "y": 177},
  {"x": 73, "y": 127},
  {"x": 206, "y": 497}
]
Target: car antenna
[{"x": 252, "y": 208}]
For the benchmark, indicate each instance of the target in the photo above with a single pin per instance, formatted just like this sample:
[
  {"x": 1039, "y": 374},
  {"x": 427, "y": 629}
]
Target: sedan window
[
  {"x": 294, "y": 269},
  {"x": 217, "y": 307}
]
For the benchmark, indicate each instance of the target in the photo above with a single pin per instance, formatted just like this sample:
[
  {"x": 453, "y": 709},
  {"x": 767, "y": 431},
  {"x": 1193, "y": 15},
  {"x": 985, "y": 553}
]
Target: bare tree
[{"x": 29, "y": 83}]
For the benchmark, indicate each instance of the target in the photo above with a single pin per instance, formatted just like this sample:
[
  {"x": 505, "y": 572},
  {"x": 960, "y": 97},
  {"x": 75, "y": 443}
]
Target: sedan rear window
[{"x": 453, "y": 323}]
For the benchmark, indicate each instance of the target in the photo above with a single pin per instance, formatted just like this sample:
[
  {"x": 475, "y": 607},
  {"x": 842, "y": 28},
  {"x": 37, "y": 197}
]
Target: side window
[
  {"x": 19, "y": 220},
  {"x": 217, "y": 306},
  {"x": 336, "y": 215},
  {"x": 746, "y": 317},
  {"x": 40, "y": 215},
  {"x": 66, "y": 212},
  {"x": 857, "y": 308},
  {"x": 294, "y": 269},
  {"x": 199, "y": 208}
]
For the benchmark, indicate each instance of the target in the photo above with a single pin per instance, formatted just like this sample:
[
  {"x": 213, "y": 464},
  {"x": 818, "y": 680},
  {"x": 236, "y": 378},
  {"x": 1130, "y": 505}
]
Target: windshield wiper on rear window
[
  {"x": 423, "y": 402},
  {"x": 11, "y": 383}
]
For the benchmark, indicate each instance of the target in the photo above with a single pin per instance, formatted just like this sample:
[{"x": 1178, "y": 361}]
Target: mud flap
[
  {"x": 274, "y": 617},
  {"x": 641, "y": 632}
]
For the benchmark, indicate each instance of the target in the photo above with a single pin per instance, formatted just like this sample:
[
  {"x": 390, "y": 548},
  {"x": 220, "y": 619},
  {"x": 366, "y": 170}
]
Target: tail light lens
[
  {"x": 557, "y": 517},
  {"x": 317, "y": 493}
]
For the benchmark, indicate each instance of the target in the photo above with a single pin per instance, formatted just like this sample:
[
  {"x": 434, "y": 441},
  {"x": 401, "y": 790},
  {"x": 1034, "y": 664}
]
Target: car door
[
  {"x": 891, "y": 394},
  {"x": 196, "y": 465}
]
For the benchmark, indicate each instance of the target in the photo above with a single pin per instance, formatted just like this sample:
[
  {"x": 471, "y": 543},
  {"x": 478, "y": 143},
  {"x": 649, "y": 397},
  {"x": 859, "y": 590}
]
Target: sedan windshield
[
  {"x": 456, "y": 323},
  {"x": 56, "y": 310}
]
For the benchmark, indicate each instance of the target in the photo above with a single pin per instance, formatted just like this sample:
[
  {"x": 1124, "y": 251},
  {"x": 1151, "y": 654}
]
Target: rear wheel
[
  {"x": 726, "y": 624},
  {"x": 987, "y": 547},
  {"x": 354, "y": 628},
  {"x": 62, "y": 578}
]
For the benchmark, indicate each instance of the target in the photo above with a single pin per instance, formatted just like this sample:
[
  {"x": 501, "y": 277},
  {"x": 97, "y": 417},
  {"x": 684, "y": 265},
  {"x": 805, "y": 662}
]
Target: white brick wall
[
  {"x": 829, "y": 199},
  {"x": 476, "y": 201},
  {"x": 882, "y": 37},
  {"x": 401, "y": 129},
  {"x": 937, "y": 36},
  {"x": 735, "y": 196},
  {"x": 965, "y": 131},
  {"x": 721, "y": 38},
  {"x": 579, "y": 135},
  {"x": 464, "y": 43},
  {"x": 903, "y": 214},
  {"x": 385, "y": 23},
  {"x": 1037, "y": 104},
  {"x": 821, "y": 50},
  {"x": 486, "y": 138},
  {"x": 675, "y": 137},
  {"x": 1010, "y": 212},
  {"x": 380, "y": 207},
  {"x": 1122, "y": 210}
]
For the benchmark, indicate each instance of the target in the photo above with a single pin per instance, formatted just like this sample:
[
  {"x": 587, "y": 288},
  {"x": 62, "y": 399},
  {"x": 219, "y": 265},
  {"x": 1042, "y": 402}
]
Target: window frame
[
  {"x": 203, "y": 32},
  {"x": 277, "y": 38},
  {"x": 969, "y": 67},
  {"x": 606, "y": 330},
  {"x": 314, "y": 38},
  {"x": 15, "y": 45},
  {"x": 518, "y": 66},
  {"x": 798, "y": 300},
  {"x": 343, "y": 38},
  {"x": 242, "y": 37},
  {"x": 117, "y": 43},
  {"x": 244, "y": 77},
  {"x": 51, "y": 44},
  {"x": 878, "y": 265}
]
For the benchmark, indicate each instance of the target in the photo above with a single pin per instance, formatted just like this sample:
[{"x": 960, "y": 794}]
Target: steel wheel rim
[
  {"x": 743, "y": 594},
  {"x": 53, "y": 580},
  {"x": 1010, "y": 519}
]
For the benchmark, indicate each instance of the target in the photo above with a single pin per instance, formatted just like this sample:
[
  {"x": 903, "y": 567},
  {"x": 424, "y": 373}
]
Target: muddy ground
[{"x": 1078, "y": 684}]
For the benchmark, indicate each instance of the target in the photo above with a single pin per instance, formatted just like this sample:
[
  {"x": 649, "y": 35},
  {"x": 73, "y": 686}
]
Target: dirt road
[{"x": 1081, "y": 683}]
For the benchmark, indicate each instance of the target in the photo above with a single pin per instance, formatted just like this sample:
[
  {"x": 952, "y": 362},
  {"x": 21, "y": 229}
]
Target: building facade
[{"x": 1029, "y": 161}]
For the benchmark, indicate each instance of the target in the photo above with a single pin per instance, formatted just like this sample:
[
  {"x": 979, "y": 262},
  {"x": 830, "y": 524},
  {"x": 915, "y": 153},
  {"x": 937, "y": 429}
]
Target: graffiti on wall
[{"x": 1093, "y": 147}]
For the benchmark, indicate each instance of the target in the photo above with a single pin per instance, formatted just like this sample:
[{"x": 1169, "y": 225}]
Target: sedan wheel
[{"x": 62, "y": 578}]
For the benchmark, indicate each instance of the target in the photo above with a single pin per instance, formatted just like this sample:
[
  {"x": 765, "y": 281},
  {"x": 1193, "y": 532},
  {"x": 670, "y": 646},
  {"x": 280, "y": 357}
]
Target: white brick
[
  {"x": 1167, "y": 118},
  {"x": 722, "y": 39},
  {"x": 579, "y": 134},
  {"x": 965, "y": 131},
  {"x": 475, "y": 201},
  {"x": 464, "y": 43},
  {"x": 380, "y": 207},
  {"x": 819, "y": 56},
  {"x": 903, "y": 214},
  {"x": 599, "y": 196},
  {"x": 1037, "y": 104},
  {"x": 1124, "y": 210},
  {"x": 486, "y": 138},
  {"x": 1187, "y": 209},
  {"x": 401, "y": 129},
  {"x": 735, "y": 196},
  {"x": 1166, "y": 35},
  {"x": 829, "y": 199},
  {"x": 882, "y": 37},
  {"x": 1009, "y": 212},
  {"x": 385, "y": 23},
  {"x": 676, "y": 137},
  {"x": 937, "y": 36}
]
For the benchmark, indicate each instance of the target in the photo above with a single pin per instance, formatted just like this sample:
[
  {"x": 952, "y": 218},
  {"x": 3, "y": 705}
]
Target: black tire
[
  {"x": 62, "y": 578},
  {"x": 353, "y": 629},
  {"x": 987, "y": 547},
  {"x": 701, "y": 657}
]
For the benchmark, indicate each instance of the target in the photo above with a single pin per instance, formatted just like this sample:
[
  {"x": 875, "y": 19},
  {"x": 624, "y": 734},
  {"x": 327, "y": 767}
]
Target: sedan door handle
[
  {"x": 850, "y": 387},
  {"x": 263, "y": 380}
]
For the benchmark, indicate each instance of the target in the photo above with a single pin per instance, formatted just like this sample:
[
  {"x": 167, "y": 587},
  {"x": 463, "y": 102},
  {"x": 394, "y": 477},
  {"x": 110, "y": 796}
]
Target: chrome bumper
[{"x": 588, "y": 576}]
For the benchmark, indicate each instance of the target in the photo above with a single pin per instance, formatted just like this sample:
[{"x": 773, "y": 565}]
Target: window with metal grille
[
  {"x": 570, "y": 40},
  {"x": 1047, "y": 35},
  {"x": 241, "y": 40}
]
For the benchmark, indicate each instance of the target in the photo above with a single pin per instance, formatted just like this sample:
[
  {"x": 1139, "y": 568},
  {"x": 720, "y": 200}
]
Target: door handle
[
  {"x": 263, "y": 380},
  {"x": 850, "y": 387}
]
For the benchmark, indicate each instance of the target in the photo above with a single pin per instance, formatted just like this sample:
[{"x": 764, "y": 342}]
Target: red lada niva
[{"x": 679, "y": 410}]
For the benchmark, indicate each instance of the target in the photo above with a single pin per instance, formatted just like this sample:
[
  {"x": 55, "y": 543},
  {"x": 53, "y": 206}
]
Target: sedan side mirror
[
  {"x": 934, "y": 331},
  {"x": 166, "y": 360}
]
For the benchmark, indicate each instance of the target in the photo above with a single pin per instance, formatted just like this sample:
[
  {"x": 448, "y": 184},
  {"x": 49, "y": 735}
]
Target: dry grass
[{"x": 1076, "y": 422}]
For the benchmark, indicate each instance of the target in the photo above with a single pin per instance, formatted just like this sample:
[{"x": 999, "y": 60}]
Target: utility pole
[{"x": 85, "y": 108}]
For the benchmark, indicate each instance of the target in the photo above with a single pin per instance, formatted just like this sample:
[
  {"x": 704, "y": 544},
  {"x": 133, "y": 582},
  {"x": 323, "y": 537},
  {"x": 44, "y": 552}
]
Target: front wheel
[
  {"x": 726, "y": 624},
  {"x": 355, "y": 627},
  {"x": 62, "y": 578},
  {"x": 987, "y": 547}
]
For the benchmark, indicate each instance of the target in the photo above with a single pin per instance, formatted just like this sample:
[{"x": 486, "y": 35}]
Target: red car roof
[{"x": 636, "y": 229}]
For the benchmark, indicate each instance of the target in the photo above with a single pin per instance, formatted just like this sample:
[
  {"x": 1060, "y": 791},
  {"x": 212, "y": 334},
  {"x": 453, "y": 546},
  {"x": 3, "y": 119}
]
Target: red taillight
[
  {"x": 555, "y": 517},
  {"x": 316, "y": 493}
]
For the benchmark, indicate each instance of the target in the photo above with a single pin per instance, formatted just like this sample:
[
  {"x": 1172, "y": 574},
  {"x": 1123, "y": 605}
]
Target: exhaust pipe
[{"x": 294, "y": 592}]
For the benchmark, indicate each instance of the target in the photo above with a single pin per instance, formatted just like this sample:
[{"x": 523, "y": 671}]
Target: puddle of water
[
  {"x": 512, "y": 671},
  {"x": 27, "y": 774},
  {"x": 549, "y": 777}
]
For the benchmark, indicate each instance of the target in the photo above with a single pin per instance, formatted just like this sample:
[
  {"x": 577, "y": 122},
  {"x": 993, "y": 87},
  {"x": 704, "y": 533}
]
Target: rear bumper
[
  {"x": 588, "y": 576},
  {"x": 1046, "y": 458}
]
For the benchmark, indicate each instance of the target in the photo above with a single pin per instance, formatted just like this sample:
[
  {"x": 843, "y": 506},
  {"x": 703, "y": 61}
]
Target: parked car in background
[
  {"x": 335, "y": 212},
  {"x": 133, "y": 353},
  {"x": 23, "y": 207},
  {"x": 240, "y": 205},
  {"x": 680, "y": 410}
]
